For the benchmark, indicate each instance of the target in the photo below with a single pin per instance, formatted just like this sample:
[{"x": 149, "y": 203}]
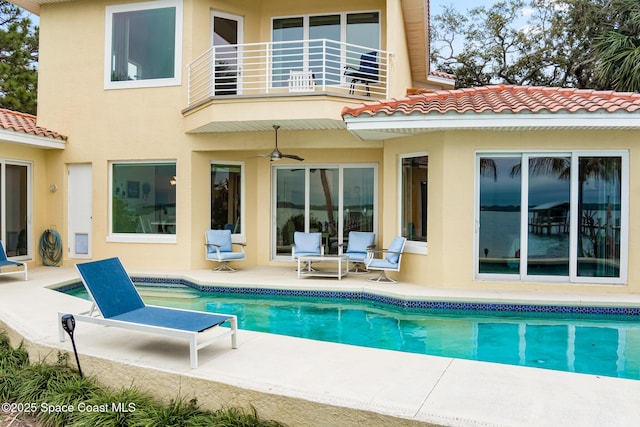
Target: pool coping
[
  {"x": 577, "y": 308},
  {"x": 307, "y": 383}
]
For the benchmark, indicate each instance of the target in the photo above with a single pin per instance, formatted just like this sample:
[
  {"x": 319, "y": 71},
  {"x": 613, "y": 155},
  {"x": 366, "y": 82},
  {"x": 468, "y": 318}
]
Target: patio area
[{"x": 302, "y": 382}]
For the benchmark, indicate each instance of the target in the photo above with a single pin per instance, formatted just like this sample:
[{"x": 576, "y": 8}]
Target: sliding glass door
[
  {"x": 15, "y": 208},
  {"x": 552, "y": 216},
  {"x": 332, "y": 200}
]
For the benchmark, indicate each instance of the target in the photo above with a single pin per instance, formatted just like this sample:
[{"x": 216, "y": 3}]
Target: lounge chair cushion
[
  {"x": 173, "y": 319},
  {"x": 119, "y": 296}
]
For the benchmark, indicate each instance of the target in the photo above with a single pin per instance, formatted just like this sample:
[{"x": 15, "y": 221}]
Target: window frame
[
  {"x": 573, "y": 277},
  {"x": 114, "y": 237},
  {"x": 176, "y": 80},
  {"x": 3, "y": 206},
  {"x": 411, "y": 246},
  {"x": 306, "y": 49},
  {"x": 341, "y": 167},
  {"x": 242, "y": 190}
]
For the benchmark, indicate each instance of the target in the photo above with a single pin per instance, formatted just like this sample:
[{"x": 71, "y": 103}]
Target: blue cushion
[
  {"x": 397, "y": 245},
  {"x": 308, "y": 243},
  {"x": 221, "y": 238},
  {"x": 359, "y": 240}
]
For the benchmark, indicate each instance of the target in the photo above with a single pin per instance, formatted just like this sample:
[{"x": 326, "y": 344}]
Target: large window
[
  {"x": 332, "y": 200},
  {"x": 553, "y": 216},
  {"x": 413, "y": 200},
  {"x": 316, "y": 44},
  {"x": 226, "y": 197},
  {"x": 15, "y": 207},
  {"x": 143, "y": 44},
  {"x": 143, "y": 200}
]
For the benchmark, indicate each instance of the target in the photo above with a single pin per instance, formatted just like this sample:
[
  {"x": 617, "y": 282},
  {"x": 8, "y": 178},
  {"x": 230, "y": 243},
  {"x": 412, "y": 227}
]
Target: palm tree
[{"x": 618, "y": 49}]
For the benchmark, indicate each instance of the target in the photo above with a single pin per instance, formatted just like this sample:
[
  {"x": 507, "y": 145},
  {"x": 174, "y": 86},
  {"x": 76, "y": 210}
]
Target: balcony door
[{"x": 226, "y": 38}]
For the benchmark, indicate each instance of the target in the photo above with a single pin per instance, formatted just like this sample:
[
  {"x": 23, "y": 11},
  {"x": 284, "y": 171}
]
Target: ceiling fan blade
[{"x": 293, "y": 156}]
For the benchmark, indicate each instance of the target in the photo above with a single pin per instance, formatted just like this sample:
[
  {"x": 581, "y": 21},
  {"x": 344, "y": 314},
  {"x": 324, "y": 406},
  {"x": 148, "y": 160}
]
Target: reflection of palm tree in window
[{"x": 601, "y": 168}]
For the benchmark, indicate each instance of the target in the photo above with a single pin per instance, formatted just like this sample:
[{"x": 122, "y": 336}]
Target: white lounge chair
[
  {"x": 13, "y": 267},
  {"x": 120, "y": 305}
]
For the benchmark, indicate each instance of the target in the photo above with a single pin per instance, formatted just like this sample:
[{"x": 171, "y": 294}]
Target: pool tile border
[{"x": 402, "y": 303}]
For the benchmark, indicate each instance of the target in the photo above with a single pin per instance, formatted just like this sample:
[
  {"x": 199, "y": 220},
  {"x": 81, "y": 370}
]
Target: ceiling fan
[{"x": 276, "y": 154}]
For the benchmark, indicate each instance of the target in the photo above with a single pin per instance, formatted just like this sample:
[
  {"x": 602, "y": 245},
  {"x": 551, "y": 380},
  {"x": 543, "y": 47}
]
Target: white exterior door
[
  {"x": 226, "y": 39},
  {"x": 80, "y": 216}
]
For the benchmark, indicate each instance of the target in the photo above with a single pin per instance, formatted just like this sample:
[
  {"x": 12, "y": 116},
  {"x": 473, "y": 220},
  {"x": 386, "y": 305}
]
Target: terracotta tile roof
[
  {"x": 443, "y": 75},
  {"x": 501, "y": 99},
  {"x": 21, "y": 122}
]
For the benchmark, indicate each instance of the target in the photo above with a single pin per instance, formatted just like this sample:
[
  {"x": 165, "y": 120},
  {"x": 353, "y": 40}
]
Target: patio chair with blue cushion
[
  {"x": 13, "y": 267},
  {"x": 119, "y": 305},
  {"x": 306, "y": 244},
  {"x": 219, "y": 248},
  {"x": 357, "y": 246},
  {"x": 390, "y": 260}
]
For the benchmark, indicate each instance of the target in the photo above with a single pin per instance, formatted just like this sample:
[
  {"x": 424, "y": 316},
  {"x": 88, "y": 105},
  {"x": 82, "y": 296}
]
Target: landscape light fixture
[{"x": 69, "y": 325}]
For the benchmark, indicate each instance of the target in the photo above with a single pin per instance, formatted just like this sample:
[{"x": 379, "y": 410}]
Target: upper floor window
[
  {"x": 413, "y": 204},
  {"x": 322, "y": 45},
  {"x": 143, "y": 44}
]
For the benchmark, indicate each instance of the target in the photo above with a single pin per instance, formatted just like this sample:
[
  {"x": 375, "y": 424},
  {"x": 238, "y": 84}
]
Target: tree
[
  {"x": 18, "y": 60},
  {"x": 618, "y": 49},
  {"x": 554, "y": 48}
]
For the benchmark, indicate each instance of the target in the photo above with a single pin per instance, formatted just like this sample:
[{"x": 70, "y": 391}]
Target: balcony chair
[
  {"x": 389, "y": 262},
  {"x": 13, "y": 266},
  {"x": 365, "y": 74},
  {"x": 306, "y": 244},
  {"x": 359, "y": 243},
  {"x": 219, "y": 248}
]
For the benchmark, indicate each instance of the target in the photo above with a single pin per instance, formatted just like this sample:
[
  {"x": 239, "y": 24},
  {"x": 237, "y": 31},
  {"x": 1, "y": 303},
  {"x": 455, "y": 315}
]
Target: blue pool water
[{"x": 605, "y": 344}]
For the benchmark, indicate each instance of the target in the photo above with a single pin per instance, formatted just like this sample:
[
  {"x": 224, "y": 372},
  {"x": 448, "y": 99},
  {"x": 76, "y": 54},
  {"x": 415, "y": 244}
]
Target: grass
[{"x": 57, "y": 396}]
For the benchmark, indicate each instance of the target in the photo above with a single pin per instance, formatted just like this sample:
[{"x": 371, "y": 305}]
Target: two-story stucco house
[{"x": 168, "y": 110}]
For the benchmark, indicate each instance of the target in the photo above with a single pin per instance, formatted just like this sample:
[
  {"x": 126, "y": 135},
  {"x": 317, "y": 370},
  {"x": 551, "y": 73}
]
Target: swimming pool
[{"x": 592, "y": 340}]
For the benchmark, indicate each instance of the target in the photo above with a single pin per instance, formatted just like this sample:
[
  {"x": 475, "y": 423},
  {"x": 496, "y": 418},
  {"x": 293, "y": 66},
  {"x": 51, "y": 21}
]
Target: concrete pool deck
[{"x": 310, "y": 383}]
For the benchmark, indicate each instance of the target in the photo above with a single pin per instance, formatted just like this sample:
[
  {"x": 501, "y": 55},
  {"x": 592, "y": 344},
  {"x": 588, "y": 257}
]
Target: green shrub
[
  {"x": 179, "y": 413},
  {"x": 36, "y": 379},
  {"x": 62, "y": 396},
  {"x": 53, "y": 388},
  {"x": 12, "y": 362},
  {"x": 122, "y": 408}
]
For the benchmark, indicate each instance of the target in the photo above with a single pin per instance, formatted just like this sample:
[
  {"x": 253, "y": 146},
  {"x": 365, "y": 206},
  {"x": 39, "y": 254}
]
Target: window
[
  {"x": 413, "y": 204},
  {"x": 553, "y": 216},
  {"x": 143, "y": 201},
  {"x": 226, "y": 197},
  {"x": 330, "y": 199},
  {"x": 317, "y": 44},
  {"x": 143, "y": 44},
  {"x": 15, "y": 208}
]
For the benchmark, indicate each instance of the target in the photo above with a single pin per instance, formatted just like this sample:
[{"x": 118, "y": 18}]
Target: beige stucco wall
[
  {"x": 451, "y": 187},
  {"x": 148, "y": 124}
]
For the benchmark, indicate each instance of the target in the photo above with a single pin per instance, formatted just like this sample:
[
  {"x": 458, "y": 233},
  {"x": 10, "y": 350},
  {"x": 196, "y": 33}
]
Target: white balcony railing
[{"x": 304, "y": 66}]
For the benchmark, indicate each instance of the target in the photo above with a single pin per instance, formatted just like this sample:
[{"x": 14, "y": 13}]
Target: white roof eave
[
  {"x": 31, "y": 140},
  {"x": 384, "y": 126}
]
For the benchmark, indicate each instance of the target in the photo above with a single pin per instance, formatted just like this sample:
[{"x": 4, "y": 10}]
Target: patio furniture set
[{"x": 307, "y": 249}]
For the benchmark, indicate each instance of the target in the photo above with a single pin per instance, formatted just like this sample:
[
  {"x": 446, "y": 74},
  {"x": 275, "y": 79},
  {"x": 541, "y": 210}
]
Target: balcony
[{"x": 288, "y": 69}]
